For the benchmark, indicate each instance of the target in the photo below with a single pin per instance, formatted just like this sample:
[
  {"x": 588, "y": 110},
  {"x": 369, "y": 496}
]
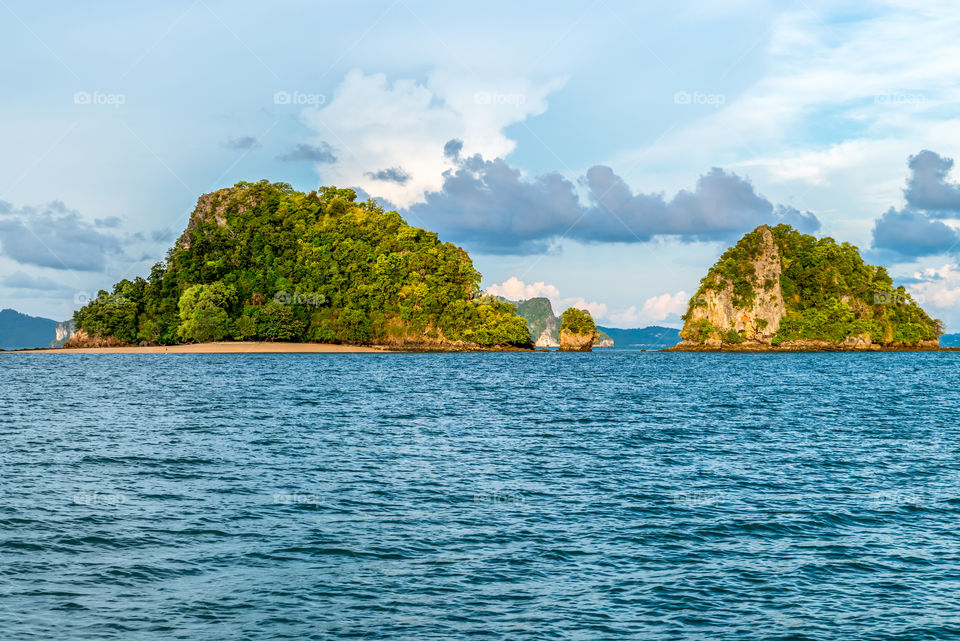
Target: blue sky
[{"x": 602, "y": 154}]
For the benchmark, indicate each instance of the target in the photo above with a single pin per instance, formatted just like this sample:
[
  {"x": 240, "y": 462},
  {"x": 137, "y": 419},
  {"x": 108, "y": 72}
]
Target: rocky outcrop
[
  {"x": 780, "y": 290},
  {"x": 573, "y": 342},
  {"x": 212, "y": 209},
  {"x": 81, "y": 339},
  {"x": 758, "y": 321},
  {"x": 548, "y": 338},
  {"x": 63, "y": 333}
]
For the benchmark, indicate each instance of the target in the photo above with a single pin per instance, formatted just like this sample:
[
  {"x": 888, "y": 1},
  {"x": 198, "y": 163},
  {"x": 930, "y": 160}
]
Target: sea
[{"x": 607, "y": 495}]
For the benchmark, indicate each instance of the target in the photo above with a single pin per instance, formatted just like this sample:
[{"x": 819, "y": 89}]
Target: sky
[{"x": 602, "y": 154}]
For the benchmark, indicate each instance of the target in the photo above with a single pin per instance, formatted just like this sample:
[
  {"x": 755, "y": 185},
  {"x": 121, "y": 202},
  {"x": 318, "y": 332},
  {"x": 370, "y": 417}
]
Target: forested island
[
  {"x": 264, "y": 262},
  {"x": 780, "y": 290}
]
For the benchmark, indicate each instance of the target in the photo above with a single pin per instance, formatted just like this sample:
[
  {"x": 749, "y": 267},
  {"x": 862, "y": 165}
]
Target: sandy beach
[{"x": 225, "y": 347}]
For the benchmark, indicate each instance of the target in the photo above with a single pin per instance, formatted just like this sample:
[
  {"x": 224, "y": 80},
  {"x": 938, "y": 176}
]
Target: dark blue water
[{"x": 480, "y": 496}]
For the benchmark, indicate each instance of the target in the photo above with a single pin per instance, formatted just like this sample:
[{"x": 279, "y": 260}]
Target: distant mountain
[
  {"x": 19, "y": 331},
  {"x": 950, "y": 340},
  {"x": 543, "y": 324},
  {"x": 646, "y": 338}
]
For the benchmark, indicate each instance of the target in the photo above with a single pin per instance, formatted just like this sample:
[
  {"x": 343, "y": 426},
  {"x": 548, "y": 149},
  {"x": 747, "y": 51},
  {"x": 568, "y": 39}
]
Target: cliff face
[
  {"x": 573, "y": 342},
  {"x": 758, "y": 320},
  {"x": 578, "y": 332},
  {"x": 64, "y": 332},
  {"x": 780, "y": 289},
  {"x": 212, "y": 209}
]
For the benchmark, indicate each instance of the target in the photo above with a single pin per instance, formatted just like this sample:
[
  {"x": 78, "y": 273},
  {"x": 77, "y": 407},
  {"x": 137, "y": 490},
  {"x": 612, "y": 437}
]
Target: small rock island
[
  {"x": 780, "y": 290},
  {"x": 578, "y": 332}
]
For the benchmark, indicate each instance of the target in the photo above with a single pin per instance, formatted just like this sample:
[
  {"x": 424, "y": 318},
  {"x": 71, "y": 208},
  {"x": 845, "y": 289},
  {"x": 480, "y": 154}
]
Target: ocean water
[{"x": 613, "y": 495}]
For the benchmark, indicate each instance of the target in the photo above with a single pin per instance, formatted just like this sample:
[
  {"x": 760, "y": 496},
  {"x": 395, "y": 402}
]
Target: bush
[{"x": 577, "y": 321}]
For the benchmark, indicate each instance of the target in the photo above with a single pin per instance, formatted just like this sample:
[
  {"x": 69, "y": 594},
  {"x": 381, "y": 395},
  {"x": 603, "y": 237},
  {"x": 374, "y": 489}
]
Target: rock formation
[
  {"x": 778, "y": 289},
  {"x": 578, "y": 333},
  {"x": 760, "y": 319}
]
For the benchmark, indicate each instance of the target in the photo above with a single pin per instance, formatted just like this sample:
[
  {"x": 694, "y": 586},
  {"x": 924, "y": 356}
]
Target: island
[
  {"x": 262, "y": 262},
  {"x": 578, "y": 333},
  {"x": 780, "y": 290}
]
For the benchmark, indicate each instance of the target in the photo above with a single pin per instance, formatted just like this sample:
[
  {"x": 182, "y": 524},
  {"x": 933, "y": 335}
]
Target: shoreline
[
  {"x": 221, "y": 347},
  {"x": 265, "y": 347},
  {"x": 803, "y": 349}
]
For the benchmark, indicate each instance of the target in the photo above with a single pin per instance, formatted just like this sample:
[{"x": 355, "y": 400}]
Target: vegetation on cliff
[
  {"x": 828, "y": 294},
  {"x": 261, "y": 261},
  {"x": 578, "y": 332},
  {"x": 577, "y": 321}
]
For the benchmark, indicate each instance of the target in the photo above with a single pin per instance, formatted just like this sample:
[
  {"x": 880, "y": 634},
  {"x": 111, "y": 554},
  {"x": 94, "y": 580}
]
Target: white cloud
[
  {"x": 373, "y": 124},
  {"x": 660, "y": 307},
  {"x": 938, "y": 287},
  {"x": 597, "y": 310},
  {"x": 515, "y": 289},
  {"x": 655, "y": 309}
]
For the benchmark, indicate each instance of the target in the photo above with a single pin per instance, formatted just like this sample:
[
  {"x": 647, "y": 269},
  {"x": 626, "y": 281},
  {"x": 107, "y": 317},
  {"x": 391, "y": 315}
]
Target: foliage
[
  {"x": 487, "y": 321},
  {"x": 698, "y": 331},
  {"x": 577, "y": 321},
  {"x": 285, "y": 265},
  {"x": 204, "y": 312},
  {"x": 733, "y": 337}
]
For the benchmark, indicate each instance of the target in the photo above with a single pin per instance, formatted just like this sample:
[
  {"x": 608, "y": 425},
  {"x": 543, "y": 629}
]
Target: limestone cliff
[
  {"x": 780, "y": 289},
  {"x": 64, "y": 332},
  {"x": 754, "y": 318},
  {"x": 578, "y": 332}
]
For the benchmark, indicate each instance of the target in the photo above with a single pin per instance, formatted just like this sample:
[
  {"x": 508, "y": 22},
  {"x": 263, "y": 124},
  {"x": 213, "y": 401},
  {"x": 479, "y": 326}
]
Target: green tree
[{"x": 204, "y": 312}]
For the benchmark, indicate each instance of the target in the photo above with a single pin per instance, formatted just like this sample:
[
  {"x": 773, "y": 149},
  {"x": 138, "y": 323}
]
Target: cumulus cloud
[
  {"x": 917, "y": 230},
  {"x": 656, "y": 309},
  {"x": 912, "y": 234},
  {"x": 320, "y": 153},
  {"x": 928, "y": 187},
  {"x": 391, "y": 174},
  {"x": 110, "y": 222},
  {"x": 937, "y": 287},
  {"x": 597, "y": 310},
  {"x": 491, "y": 206},
  {"x": 57, "y": 237},
  {"x": 515, "y": 289},
  {"x": 375, "y": 123}
]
